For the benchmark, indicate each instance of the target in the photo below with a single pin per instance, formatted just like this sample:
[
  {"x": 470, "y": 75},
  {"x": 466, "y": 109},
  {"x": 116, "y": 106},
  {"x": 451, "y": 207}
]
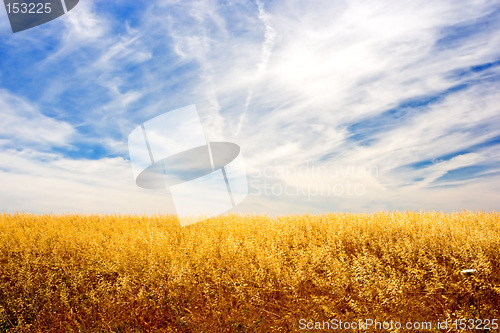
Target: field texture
[{"x": 101, "y": 273}]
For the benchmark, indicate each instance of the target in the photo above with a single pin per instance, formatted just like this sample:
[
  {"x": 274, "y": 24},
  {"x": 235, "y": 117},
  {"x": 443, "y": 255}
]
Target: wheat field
[{"x": 247, "y": 273}]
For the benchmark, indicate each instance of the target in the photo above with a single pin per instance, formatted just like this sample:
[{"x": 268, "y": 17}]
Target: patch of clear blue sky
[
  {"x": 468, "y": 172},
  {"x": 21, "y": 71},
  {"x": 91, "y": 150},
  {"x": 461, "y": 151},
  {"x": 487, "y": 70},
  {"x": 122, "y": 12}
]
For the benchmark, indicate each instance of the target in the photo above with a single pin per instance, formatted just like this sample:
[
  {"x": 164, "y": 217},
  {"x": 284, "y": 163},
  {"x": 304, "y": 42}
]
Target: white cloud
[
  {"x": 267, "y": 47},
  {"x": 441, "y": 129},
  {"x": 47, "y": 183},
  {"x": 23, "y": 124},
  {"x": 82, "y": 27}
]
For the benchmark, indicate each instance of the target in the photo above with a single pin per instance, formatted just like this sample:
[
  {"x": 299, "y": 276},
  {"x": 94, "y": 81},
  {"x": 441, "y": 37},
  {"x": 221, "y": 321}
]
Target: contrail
[{"x": 267, "y": 46}]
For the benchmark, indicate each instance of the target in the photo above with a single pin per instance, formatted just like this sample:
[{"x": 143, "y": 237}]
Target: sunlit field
[{"x": 247, "y": 273}]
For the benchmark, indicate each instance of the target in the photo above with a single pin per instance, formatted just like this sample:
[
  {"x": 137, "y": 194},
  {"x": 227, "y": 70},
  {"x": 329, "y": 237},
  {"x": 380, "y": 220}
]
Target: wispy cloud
[
  {"x": 24, "y": 126},
  {"x": 267, "y": 46},
  {"x": 47, "y": 183}
]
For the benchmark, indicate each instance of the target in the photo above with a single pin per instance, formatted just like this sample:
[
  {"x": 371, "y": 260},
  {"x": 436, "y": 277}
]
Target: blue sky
[{"x": 337, "y": 105}]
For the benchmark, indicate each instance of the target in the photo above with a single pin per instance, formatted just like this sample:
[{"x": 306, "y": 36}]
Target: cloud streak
[
  {"x": 267, "y": 47},
  {"x": 24, "y": 126}
]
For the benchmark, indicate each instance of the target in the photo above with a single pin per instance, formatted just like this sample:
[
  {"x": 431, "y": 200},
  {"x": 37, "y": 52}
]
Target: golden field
[{"x": 246, "y": 273}]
